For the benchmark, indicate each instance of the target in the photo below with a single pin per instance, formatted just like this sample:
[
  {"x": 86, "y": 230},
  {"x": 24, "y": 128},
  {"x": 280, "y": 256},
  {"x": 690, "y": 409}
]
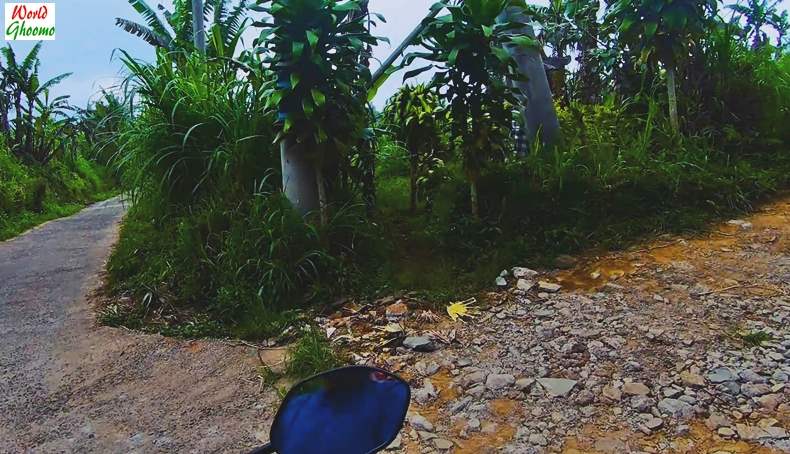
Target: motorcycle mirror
[{"x": 350, "y": 410}]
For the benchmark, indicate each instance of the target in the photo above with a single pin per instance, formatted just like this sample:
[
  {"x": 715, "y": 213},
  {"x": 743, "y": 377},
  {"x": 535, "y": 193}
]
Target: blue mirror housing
[{"x": 351, "y": 410}]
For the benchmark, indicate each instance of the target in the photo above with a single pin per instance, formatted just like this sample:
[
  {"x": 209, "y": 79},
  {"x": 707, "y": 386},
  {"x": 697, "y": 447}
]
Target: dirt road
[
  {"x": 67, "y": 385},
  {"x": 678, "y": 345},
  {"x": 681, "y": 345}
]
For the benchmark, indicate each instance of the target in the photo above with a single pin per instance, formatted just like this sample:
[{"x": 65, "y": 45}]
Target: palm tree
[
  {"x": 759, "y": 14},
  {"x": 225, "y": 26}
]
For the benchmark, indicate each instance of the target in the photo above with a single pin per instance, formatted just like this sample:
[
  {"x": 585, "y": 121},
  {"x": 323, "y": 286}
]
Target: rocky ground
[{"x": 680, "y": 346}]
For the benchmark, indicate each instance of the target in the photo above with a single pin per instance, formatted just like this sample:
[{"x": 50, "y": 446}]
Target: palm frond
[
  {"x": 10, "y": 56},
  {"x": 31, "y": 61},
  {"x": 150, "y": 16},
  {"x": 147, "y": 34},
  {"x": 55, "y": 80}
]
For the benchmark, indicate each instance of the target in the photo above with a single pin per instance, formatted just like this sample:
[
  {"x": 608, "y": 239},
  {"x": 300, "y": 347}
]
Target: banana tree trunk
[
  {"x": 18, "y": 119},
  {"x": 29, "y": 129},
  {"x": 538, "y": 114},
  {"x": 4, "y": 124},
  {"x": 673, "y": 99},
  {"x": 299, "y": 179},
  {"x": 198, "y": 26}
]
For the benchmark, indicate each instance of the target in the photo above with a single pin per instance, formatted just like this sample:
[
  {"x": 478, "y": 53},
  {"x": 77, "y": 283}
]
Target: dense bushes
[
  {"x": 620, "y": 173},
  {"x": 209, "y": 230},
  {"x": 212, "y": 245},
  {"x": 33, "y": 193}
]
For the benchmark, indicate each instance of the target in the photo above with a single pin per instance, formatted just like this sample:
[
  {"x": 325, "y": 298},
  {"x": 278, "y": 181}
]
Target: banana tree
[
  {"x": 24, "y": 89},
  {"x": 33, "y": 90},
  {"x": 314, "y": 46},
  {"x": 184, "y": 30},
  {"x": 664, "y": 30},
  {"x": 413, "y": 115},
  {"x": 55, "y": 130},
  {"x": 468, "y": 50}
]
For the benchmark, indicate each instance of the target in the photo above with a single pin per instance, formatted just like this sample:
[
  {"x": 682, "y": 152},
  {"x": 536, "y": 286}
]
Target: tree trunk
[
  {"x": 299, "y": 179},
  {"x": 18, "y": 120},
  {"x": 198, "y": 26},
  {"x": 4, "y": 121},
  {"x": 539, "y": 114},
  {"x": 413, "y": 184},
  {"x": 474, "y": 199},
  {"x": 29, "y": 129},
  {"x": 673, "y": 99},
  {"x": 323, "y": 203}
]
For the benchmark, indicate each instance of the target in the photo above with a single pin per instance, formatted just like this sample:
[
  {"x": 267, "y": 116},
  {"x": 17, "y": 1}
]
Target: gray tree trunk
[
  {"x": 474, "y": 199},
  {"x": 198, "y": 26},
  {"x": 323, "y": 201},
  {"x": 538, "y": 111},
  {"x": 673, "y": 99},
  {"x": 299, "y": 178}
]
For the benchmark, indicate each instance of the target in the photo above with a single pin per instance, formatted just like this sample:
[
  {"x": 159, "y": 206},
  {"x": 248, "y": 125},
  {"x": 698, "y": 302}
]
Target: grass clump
[
  {"x": 311, "y": 355},
  {"x": 755, "y": 338}
]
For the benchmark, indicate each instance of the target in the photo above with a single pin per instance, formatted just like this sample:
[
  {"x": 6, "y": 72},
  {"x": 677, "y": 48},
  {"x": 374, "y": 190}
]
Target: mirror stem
[{"x": 265, "y": 449}]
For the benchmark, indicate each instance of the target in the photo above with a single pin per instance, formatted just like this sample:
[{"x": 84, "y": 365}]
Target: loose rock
[{"x": 557, "y": 387}]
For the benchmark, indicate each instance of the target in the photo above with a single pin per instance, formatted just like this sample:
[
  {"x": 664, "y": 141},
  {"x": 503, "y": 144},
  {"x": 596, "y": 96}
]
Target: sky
[{"x": 87, "y": 40}]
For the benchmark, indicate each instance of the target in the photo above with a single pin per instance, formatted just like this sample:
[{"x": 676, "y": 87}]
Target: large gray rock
[
  {"x": 642, "y": 404},
  {"x": 721, "y": 375},
  {"x": 635, "y": 389},
  {"x": 419, "y": 344},
  {"x": 751, "y": 376},
  {"x": 473, "y": 378},
  {"x": 676, "y": 408},
  {"x": 419, "y": 422},
  {"x": 557, "y": 387},
  {"x": 523, "y": 273},
  {"x": 499, "y": 381},
  {"x": 755, "y": 389},
  {"x": 549, "y": 287}
]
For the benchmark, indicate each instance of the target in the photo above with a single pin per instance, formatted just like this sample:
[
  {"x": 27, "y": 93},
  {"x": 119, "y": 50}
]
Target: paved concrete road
[{"x": 67, "y": 385}]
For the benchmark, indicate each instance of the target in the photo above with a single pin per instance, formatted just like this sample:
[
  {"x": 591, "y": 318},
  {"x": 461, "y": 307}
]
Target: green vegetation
[
  {"x": 45, "y": 170},
  {"x": 224, "y": 238},
  {"x": 755, "y": 338},
  {"x": 311, "y": 355},
  {"x": 33, "y": 194}
]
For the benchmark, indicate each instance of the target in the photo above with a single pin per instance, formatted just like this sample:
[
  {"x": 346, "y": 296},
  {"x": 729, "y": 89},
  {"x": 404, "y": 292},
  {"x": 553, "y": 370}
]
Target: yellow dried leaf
[{"x": 461, "y": 310}]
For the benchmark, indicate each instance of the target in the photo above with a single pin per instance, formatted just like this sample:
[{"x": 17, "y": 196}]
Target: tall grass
[{"x": 201, "y": 126}]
